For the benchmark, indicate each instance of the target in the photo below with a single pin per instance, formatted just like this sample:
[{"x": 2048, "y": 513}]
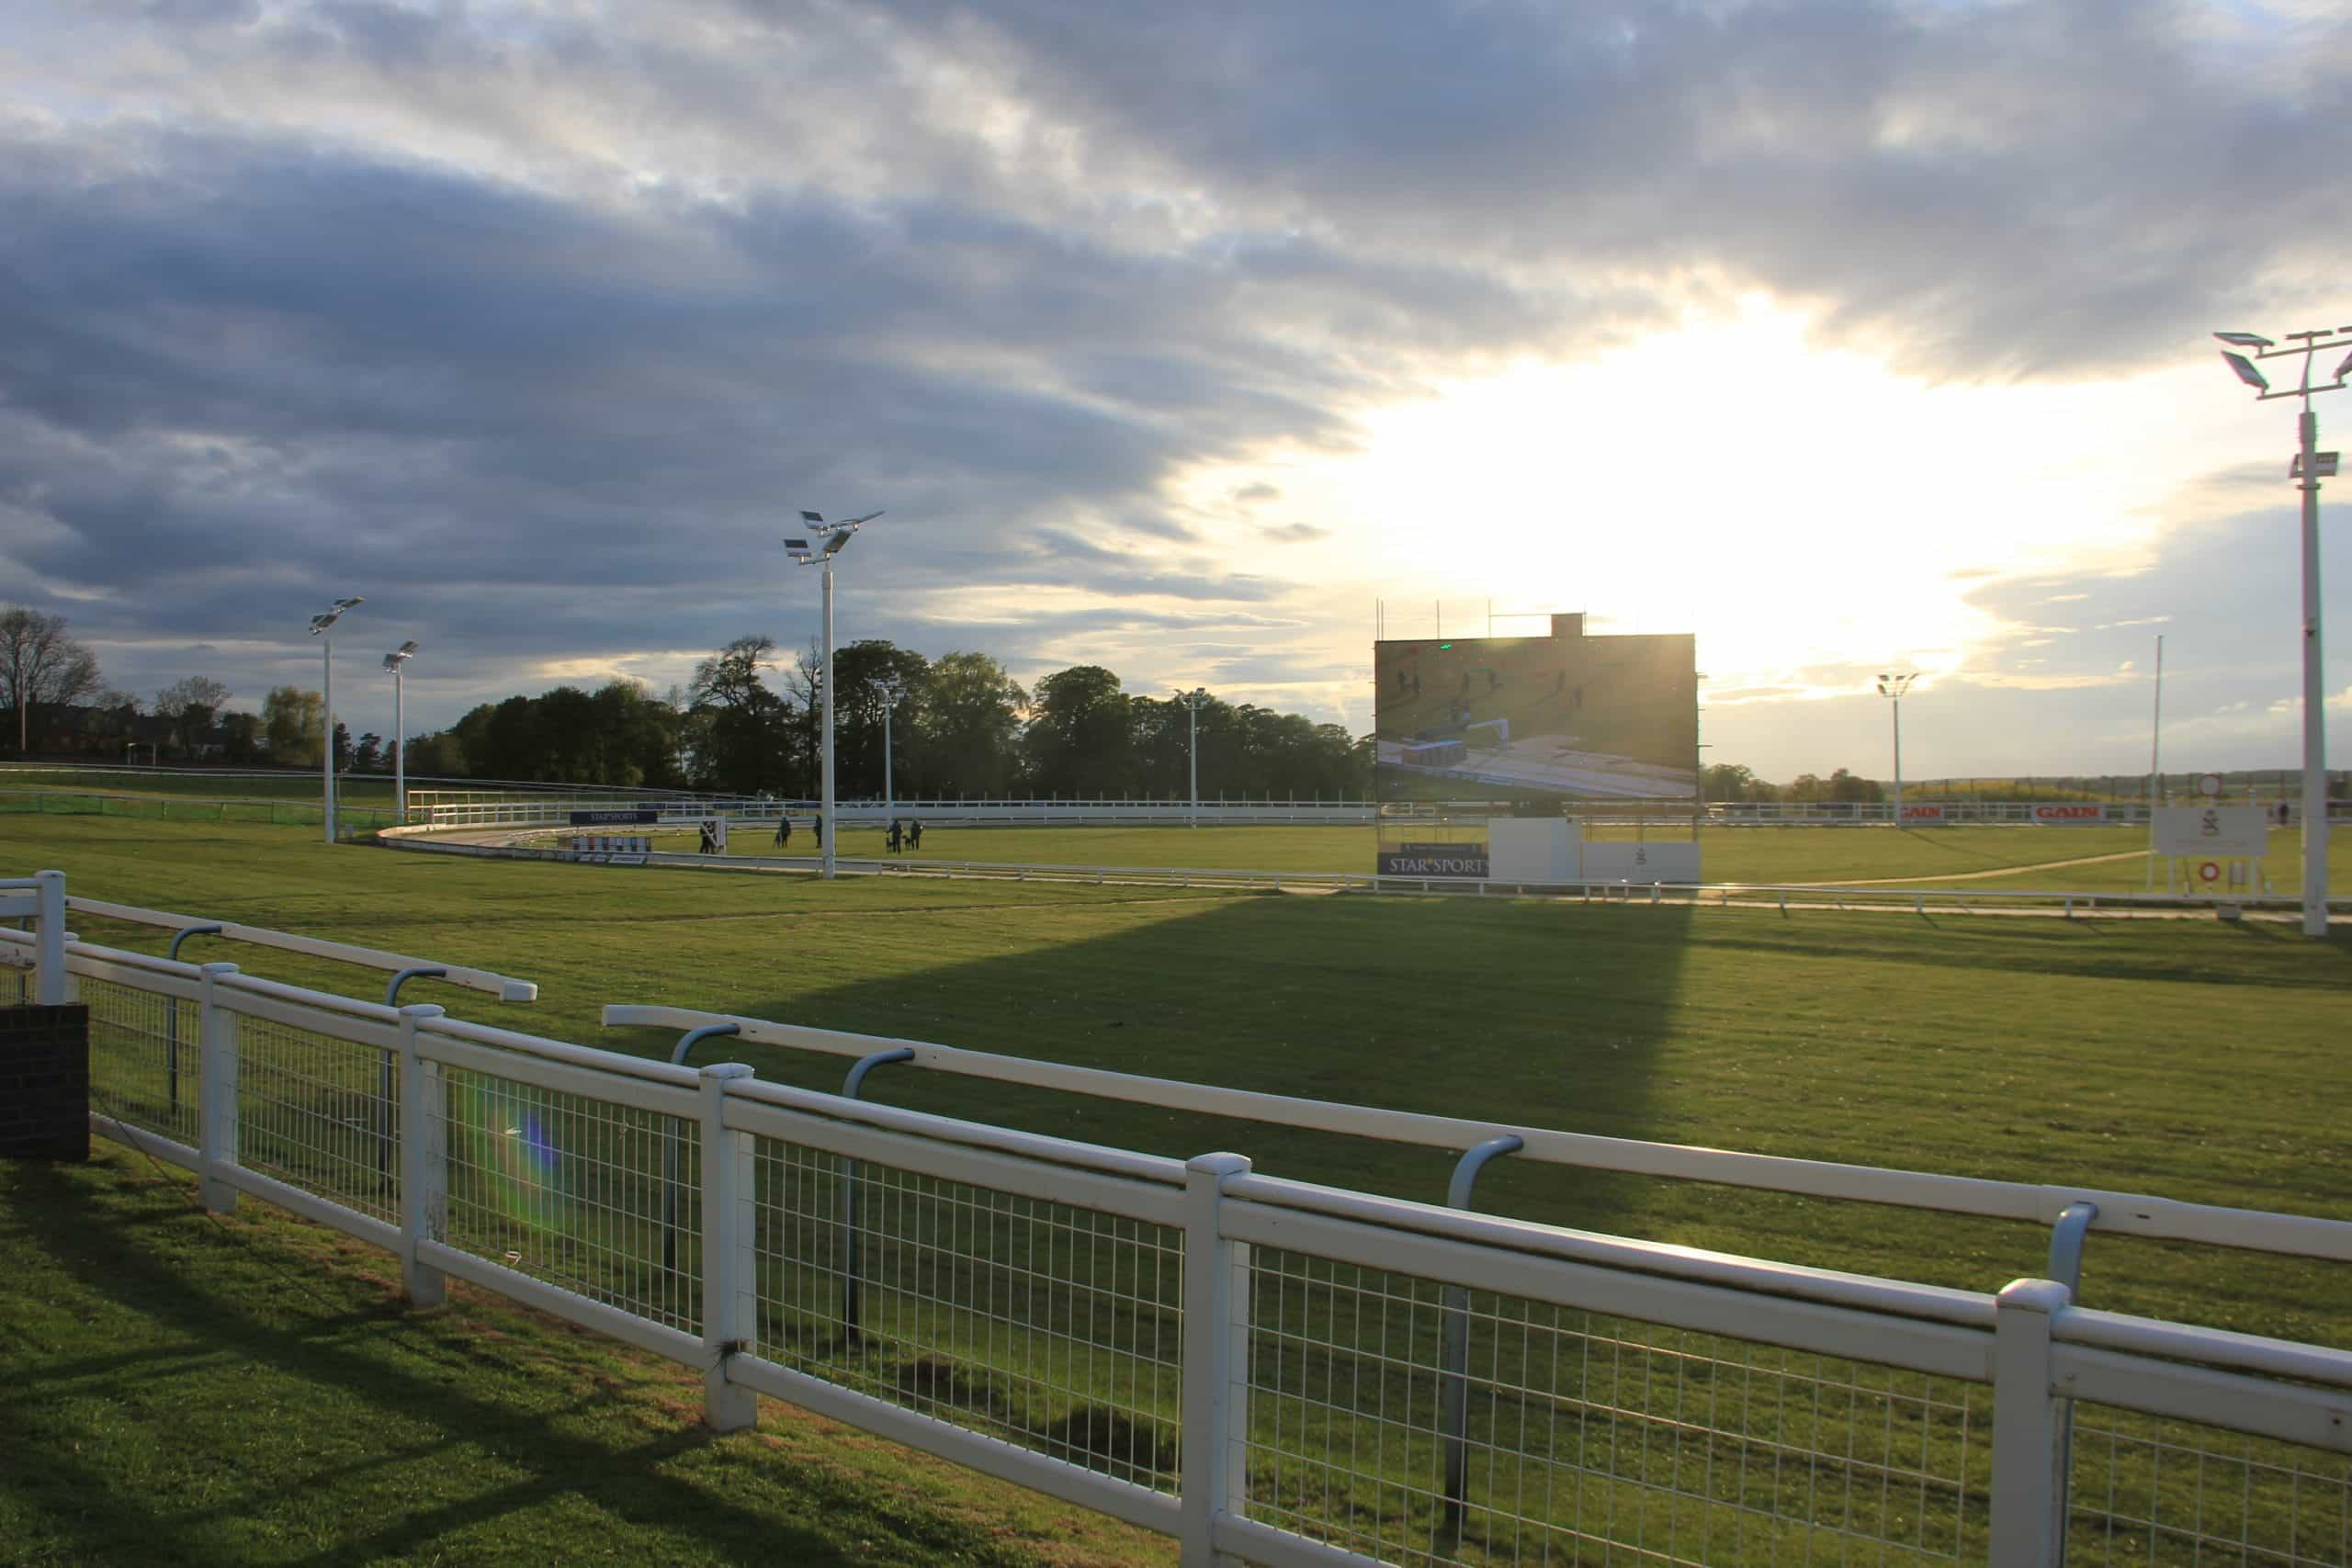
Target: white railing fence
[{"x": 1265, "y": 1369}]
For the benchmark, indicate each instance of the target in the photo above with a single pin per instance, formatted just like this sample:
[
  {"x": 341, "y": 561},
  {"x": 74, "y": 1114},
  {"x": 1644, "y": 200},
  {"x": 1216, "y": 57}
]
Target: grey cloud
[{"x": 532, "y": 324}]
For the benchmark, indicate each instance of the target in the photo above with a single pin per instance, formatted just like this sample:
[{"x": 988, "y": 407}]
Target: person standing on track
[
  {"x": 784, "y": 831},
  {"x": 914, "y": 832}
]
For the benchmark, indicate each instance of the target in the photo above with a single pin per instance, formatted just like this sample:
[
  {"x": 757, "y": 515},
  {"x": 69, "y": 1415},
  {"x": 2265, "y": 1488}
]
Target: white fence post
[
  {"x": 2028, "y": 1512},
  {"x": 730, "y": 1253},
  {"x": 424, "y": 1160},
  {"x": 1215, "y": 1468},
  {"x": 49, "y": 942},
  {"x": 217, "y": 1092}
]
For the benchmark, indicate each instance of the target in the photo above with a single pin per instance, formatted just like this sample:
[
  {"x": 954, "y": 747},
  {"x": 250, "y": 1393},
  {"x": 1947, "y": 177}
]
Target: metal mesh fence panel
[
  {"x": 145, "y": 1059},
  {"x": 602, "y": 1199},
  {"x": 1052, "y": 1326},
  {"x": 319, "y": 1113},
  {"x": 2154, "y": 1493},
  {"x": 1585, "y": 1439}
]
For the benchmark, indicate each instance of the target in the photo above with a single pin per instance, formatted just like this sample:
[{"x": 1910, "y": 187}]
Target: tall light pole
[
  {"x": 321, "y": 626},
  {"x": 829, "y": 539},
  {"x": 1193, "y": 700},
  {"x": 2310, "y": 466},
  {"x": 397, "y": 662},
  {"x": 892, "y": 690},
  {"x": 1892, "y": 687}
]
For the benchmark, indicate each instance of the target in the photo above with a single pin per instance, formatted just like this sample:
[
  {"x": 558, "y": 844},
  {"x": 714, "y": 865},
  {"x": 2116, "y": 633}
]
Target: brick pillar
[{"x": 45, "y": 1083}]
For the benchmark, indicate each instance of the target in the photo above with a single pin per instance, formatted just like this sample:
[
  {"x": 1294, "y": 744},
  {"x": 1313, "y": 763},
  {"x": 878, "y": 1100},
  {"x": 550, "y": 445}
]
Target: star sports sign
[{"x": 2070, "y": 813}]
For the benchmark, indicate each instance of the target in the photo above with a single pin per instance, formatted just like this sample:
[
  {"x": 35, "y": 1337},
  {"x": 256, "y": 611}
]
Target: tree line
[
  {"x": 751, "y": 723},
  {"x": 747, "y": 723}
]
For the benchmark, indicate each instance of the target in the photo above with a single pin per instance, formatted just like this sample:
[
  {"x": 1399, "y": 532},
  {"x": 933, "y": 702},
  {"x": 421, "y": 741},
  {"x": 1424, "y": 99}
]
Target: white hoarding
[
  {"x": 2213, "y": 832},
  {"x": 1528, "y": 849},
  {"x": 1641, "y": 863},
  {"x": 2070, "y": 812},
  {"x": 1923, "y": 814}
]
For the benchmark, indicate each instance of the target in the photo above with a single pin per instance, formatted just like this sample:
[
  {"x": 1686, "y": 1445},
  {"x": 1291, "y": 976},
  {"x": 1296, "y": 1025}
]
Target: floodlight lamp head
[
  {"x": 2246, "y": 372},
  {"x": 2245, "y": 339}
]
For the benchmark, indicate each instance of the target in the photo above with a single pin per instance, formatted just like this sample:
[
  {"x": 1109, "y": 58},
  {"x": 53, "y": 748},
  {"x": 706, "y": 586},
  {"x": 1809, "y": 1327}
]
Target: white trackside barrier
[{"x": 1258, "y": 1368}]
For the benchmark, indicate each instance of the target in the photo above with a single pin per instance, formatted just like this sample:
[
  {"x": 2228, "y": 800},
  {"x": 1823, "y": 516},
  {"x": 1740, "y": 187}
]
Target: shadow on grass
[
  {"x": 1507, "y": 1012},
  {"x": 496, "y": 1439}
]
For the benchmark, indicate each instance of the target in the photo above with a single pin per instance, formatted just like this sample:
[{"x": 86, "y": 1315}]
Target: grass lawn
[
  {"x": 368, "y": 789},
  {"x": 181, "y": 1390},
  {"x": 2188, "y": 1059}
]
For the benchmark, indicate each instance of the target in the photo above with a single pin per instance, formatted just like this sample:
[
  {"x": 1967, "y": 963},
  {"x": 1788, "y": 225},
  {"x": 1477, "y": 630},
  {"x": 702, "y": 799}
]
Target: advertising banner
[
  {"x": 2213, "y": 832},
  {"x": 646, "y": 814},
  {"x": 2070, "y": 812},
  {"x": 1923, "y": 814},
  {"x": 1434, "y": 860}
]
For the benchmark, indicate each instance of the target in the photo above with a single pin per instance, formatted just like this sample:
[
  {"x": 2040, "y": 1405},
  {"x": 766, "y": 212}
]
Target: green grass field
[
  {"x": 2188, "y": 1059},
  {"x": 187, "y": 1391},
  {"x": 363, "y": 789}
]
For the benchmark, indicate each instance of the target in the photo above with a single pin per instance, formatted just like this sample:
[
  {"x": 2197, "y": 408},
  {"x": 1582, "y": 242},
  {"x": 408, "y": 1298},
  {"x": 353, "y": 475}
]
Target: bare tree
[
  {"x": 191, "y": 704},
  {"x": 39, "y": 663}
]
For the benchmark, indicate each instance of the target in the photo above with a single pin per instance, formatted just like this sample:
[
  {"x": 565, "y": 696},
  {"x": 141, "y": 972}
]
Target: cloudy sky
[{"x": 1179, "y": 337}]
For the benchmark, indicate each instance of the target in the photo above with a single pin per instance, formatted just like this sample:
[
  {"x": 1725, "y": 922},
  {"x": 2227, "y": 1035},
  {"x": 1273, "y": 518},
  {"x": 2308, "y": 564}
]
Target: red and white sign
[
  {"x": 2209, "y": 871},
  {"x": 2070, "y": 813},
  {"x": 1923, "y": 814}
]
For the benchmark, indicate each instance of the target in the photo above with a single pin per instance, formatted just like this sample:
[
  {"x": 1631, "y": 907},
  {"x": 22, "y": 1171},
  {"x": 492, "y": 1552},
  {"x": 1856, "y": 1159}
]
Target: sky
[{"x": 1190, "y": 340}]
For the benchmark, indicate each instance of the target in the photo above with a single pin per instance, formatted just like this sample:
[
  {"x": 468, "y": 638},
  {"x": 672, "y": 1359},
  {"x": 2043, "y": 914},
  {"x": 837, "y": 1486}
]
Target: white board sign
[
  {"x": 2070, "y": 811},
  {"x": 1641, "y": 863},
  {"x": 2210, "y": 833}
]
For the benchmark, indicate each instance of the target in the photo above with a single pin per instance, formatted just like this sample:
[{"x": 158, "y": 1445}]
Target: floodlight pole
[
  {"x": 326, "y": 640},
  {"x": 397, "y": 662},
  {"x": 2307, "y": 472},
  {"x": 832, "y": 820},
  {"x": 400, "y": 743},
  {"x": 1193, "y": 701},
  {"x": 1892, "y": 687},
  {"x": 2314, "y": 687}
]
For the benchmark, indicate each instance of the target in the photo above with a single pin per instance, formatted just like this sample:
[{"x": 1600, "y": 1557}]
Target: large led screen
[{"x": 1508, "y": 719}]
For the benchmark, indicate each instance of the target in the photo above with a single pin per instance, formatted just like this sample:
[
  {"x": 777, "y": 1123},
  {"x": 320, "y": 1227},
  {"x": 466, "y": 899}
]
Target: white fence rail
[
  {"x": 1262, "y": 1369},
  {"x": 505, "y": 988}
]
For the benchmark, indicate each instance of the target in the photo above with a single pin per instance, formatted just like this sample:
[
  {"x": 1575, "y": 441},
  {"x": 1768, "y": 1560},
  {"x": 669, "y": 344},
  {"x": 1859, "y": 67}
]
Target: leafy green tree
[
  {"x": 1081, "y": 739},
  {"x": 293, "y": 722},
  {"x": 857, "y": 718},
  {"x": 743, "y": 728},
  {"x": 241, "y": 738},
  {"x": 964, "y": 736}
]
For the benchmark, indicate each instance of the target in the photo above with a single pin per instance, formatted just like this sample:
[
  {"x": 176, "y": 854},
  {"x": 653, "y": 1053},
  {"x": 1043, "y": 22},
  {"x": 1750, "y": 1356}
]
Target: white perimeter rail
[
  {"x": 505, "y": 988},
  {"x": 39, "y": 900},
  {"x": 1265, "y": 1369},
  {"x": 2116, "y": 1212}
]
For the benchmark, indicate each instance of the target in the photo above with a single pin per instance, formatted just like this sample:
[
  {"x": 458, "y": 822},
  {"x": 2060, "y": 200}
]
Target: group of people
[{"x": 901, "y": 836}]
